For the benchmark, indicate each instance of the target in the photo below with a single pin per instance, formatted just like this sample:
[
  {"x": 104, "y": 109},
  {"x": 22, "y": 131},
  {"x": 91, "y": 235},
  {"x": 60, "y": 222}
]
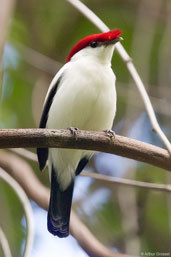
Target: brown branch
[
  {"x": 24, "y": 175},
  {"x": 89, "y": 140}
]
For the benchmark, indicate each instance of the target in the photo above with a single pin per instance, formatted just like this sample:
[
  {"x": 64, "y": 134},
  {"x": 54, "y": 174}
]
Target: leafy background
[{"x": 128, "y": 220}]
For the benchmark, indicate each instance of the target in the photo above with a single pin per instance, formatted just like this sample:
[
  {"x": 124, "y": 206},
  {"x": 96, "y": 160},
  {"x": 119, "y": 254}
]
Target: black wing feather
[
  {"x": 42, "y": 153},
  {"x": 81, "y": 165}
]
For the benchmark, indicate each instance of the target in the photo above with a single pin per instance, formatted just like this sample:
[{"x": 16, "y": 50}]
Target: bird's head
[{"x": 98, "y": 46}]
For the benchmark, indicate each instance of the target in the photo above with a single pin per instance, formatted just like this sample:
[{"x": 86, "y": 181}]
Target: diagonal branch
[{"x": 89, "y": 140}]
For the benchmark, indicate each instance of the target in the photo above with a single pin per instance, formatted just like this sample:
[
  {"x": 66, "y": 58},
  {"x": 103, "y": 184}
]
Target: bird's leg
[
  {"x": 109, "y": 132},
  {"x": 73, "y": 131}
]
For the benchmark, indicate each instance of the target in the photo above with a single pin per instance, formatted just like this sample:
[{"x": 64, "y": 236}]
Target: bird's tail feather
[{"x": 59, "y": 208}]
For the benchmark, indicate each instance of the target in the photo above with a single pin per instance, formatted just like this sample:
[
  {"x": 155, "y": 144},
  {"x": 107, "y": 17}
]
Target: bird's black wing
[
  {"x": 81, "y": 165},
  {"x": 42, "y": 153}
]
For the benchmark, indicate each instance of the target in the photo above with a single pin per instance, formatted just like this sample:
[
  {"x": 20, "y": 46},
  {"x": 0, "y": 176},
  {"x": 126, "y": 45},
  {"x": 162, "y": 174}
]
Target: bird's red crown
[{"x": 102, "y": 37}]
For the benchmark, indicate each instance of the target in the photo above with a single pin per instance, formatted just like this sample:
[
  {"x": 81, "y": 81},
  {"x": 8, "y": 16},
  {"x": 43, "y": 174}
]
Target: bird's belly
[{"x": 83, "y": 105}]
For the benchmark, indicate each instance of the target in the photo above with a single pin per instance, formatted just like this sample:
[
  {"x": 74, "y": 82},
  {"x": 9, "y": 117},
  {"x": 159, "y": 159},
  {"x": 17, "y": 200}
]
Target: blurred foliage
[
  {"x": 12, "y": 215},
  {"x": 52, "y": 28}
]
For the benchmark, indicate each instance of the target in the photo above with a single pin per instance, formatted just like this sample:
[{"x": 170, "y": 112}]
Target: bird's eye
[{"x": 93, "y": 44}]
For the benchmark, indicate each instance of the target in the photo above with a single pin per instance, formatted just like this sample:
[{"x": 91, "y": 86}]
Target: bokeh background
[{"x": 40, "y": 35}]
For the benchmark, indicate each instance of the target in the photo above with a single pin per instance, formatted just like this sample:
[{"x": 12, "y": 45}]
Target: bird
[{"x": 81, "y": 95}]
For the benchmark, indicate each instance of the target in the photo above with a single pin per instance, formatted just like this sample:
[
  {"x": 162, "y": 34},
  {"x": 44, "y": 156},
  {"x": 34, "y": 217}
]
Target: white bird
[{"x": 81, "y": 95}]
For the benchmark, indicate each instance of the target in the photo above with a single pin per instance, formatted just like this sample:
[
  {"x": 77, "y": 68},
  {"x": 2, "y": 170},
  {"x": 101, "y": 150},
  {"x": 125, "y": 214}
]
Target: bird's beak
[{"x": 114, "y": 41}]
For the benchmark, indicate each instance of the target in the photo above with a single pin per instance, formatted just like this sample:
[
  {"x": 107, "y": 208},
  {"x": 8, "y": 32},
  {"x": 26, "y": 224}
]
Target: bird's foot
[
  {"x": 73, "y": 131},
  {"x": 109, "y": 132}
]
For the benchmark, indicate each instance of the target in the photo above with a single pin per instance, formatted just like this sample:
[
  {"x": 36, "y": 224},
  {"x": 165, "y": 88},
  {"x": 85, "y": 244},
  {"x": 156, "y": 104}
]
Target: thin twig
[
  {"x": 4, "y": 243},
  {"x": 129, "y": 182},
  {"x": 88, "y": 140},
  {"x": 27, "y": 208},
  {"x": 118, "y": 181},
  {"x": 130, "y": 66}
]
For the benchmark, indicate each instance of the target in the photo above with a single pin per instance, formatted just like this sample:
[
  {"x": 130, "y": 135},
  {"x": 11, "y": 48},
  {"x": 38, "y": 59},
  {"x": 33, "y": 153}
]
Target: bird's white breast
[{"x": 86, "y": 99}]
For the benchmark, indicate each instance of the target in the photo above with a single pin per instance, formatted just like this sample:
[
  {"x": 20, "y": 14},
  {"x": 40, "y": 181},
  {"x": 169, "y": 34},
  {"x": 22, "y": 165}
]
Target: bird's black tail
[{"x": 59, "y": 208}]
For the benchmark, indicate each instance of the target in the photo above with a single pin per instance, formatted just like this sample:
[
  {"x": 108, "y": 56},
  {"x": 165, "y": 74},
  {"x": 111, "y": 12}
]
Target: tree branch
[
  {"x": 24, "y": 175},
  {"x": 89, "y": 140}
]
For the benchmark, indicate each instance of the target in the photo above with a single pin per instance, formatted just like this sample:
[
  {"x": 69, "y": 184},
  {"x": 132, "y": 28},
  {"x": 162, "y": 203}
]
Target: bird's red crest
[{"x": 102, "y": 37}]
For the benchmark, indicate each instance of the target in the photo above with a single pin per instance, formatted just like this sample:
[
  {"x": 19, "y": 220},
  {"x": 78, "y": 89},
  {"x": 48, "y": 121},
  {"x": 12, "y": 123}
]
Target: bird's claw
[
  {"x": 110, "y": 133},
  {"x": 73, "y": 131}
]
